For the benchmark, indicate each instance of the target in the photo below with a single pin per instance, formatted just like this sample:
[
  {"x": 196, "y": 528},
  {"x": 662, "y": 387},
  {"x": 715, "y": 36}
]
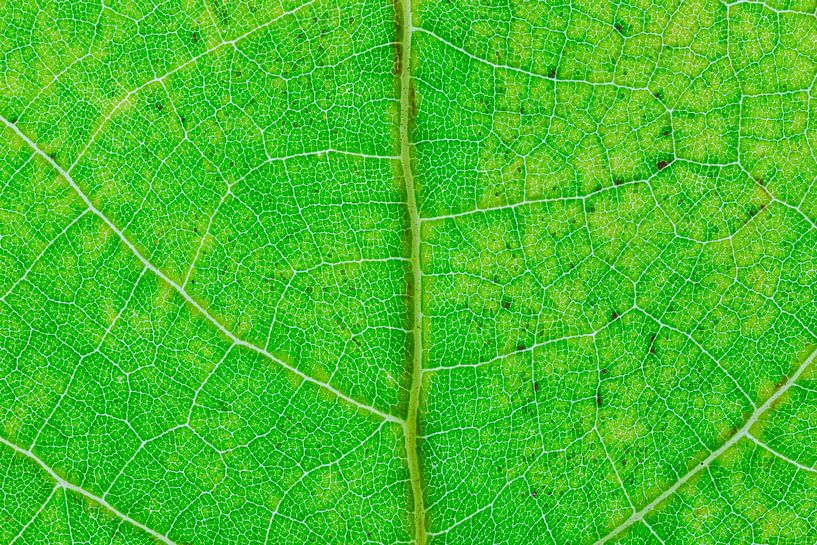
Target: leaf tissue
[{"x": 430, "y": 272}]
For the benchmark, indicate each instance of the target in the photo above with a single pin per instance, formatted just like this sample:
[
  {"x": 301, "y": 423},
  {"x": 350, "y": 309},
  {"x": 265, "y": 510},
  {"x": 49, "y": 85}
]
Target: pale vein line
[
  {"x": 602, "y": 84},
  {"x": 41, "y": 254},
  {"x": 326, "y": 151},
  {"x": 544, "y": 200},
  {"x": 411, "y": 427},
  {"x": 741, "y": 433},
  {"x": 522, "y": 70},
  {"x": 777, "y": 454},
  {"x": 62, "y": 483},
  {"x": 532, "y": 348},
  {"x": 183, "y": 65},
  {"x": 229, "y": 334}
]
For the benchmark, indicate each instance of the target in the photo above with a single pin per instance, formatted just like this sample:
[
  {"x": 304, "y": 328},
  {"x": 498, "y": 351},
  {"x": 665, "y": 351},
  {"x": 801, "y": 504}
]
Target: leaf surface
[{"x": 435, "y": 273}]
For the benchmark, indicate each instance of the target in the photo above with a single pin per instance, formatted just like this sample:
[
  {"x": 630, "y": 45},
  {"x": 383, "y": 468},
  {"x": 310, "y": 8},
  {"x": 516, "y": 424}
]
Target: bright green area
[{"x": 256, "y": 289}]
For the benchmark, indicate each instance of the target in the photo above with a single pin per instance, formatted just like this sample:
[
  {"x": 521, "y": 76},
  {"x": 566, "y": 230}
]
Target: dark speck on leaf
[
  {"x": 614, "y": 316},
  {"x": 520, "y": 346},
  {"x": 552, "y": 73},
  {"x": 598, "y": 399},
  {"x": 617, "y": 181},
  {"x": 195, "y": 37},
  {"x": 159, "y": 107},
  {"x": 666, "y": 132},
  {"x": 535, "y": 386},
  {"x": 661, "y": 165},
  {"x": 533, "y": 493},
  {"x": 619, "y": 27},
  {"x": 506, "y": 305},
  {"x": 604, "y": 371}
]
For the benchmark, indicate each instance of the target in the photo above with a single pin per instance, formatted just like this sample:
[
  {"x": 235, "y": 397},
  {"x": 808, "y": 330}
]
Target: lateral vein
[
  {"x": 740, "y": 434},
  {"x": 210, "y": 318},
  {"x": 62, "y": 483}
]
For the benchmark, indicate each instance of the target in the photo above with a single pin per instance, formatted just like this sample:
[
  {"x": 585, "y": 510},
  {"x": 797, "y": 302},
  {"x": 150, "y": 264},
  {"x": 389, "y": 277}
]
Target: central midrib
[{"x": 410, "y": 428}]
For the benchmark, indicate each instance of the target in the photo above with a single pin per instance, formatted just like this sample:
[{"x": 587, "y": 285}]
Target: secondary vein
[
  {"x": 62, "y": 483},
  {"x": 181, "y": 291},
  {"x": 740, "y": 434}
]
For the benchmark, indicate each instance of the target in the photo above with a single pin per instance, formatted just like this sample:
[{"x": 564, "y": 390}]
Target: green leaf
[{"x": 379, "y": 272}]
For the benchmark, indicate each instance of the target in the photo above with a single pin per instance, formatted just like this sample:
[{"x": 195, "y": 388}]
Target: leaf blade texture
[{"x": 435, "y": 272}]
